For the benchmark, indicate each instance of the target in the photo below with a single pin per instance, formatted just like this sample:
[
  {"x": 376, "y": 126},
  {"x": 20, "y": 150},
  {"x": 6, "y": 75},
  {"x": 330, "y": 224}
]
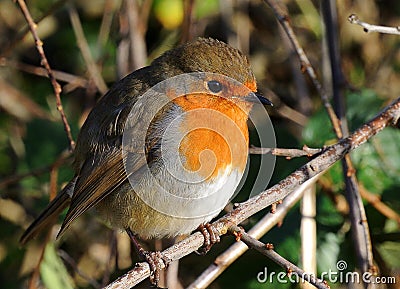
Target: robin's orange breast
[{"x": 215, "y": 135}]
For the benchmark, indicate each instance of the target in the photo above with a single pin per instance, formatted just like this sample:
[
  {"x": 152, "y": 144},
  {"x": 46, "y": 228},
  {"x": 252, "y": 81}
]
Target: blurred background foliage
[{"x": 34, "y": 159}]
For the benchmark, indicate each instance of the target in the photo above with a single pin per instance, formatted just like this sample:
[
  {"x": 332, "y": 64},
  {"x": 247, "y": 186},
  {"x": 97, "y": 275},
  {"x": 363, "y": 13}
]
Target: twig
[
  {"x": 123, "y": 65},
  {"x": 71, "y": 262},
  {"x": 21, "y": 35},
  {"x": 361, "y": 234},
  {"x": 187, "y": 23},
  {"x": 380, "y": 206},
  {"x": 338, "y": 200},
  {"x": 359, "y": 224},
  {"x": 288, "y": 153},
  {"x": 77, "y": 81},
  {"x": 112, "y": 259},
  {"x": 281, "y": 14},
  {"x": 172, "y": 279},
  {"x": 137, "y": 31},
  {"x": 35, "y": 172},
  {"x": 223, "y": 261},
  {"x": 106, "y": 22},
  {"x": 45, "y": 63},
  {"x": 389, "y": 116},
  {"x": 353, "y": 19},
  {"x": 267, "y": 250},
  {"x": 284, "y": 110},
  {"x": 85, "y": 50},
  {"x": 304, "y": 103}
]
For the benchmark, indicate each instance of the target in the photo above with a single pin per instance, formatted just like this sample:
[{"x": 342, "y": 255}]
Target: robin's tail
[{"x": 49, "y": 216}]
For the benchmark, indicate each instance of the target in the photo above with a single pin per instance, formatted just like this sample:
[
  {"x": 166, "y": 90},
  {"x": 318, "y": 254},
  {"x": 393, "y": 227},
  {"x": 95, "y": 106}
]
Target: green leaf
[
  {"x": 390, "y": 252},
  {"x": 361, "y": 107},
  {"x": 328, "y": 251},
  {"x": 377, "y": 161},
  {"x": 318, "y": 130},
  {"x": 53, "y": 272}
]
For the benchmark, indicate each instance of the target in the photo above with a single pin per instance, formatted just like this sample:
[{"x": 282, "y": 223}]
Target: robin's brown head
[{"x": 207, "y": 55}]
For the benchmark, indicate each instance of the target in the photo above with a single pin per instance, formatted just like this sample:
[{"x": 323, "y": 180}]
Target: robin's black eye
[{"x": 214, "y": 86}]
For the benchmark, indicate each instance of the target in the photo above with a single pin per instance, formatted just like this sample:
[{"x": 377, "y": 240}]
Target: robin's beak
[
  {"x": 263, "y": 99},
  {"x": 252, "y": 96}
]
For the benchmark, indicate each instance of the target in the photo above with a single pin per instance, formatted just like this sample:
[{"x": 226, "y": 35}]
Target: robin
[{"x": 161, "y": 170}]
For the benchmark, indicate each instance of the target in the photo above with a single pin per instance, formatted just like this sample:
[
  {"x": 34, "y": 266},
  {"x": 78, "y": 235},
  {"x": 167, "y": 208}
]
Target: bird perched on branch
[{"x": 163, "y": 151}]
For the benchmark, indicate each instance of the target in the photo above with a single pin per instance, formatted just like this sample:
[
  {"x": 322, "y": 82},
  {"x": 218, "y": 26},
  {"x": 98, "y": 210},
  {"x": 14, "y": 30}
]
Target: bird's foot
[
  {"x": 157, "y": 263},
  {"x": 211, "y": 237},
  {"x": 155, "y": 259}
]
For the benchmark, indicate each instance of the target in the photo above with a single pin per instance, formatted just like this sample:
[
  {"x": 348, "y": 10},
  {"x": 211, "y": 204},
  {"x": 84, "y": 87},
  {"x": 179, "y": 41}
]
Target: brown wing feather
[
  {"x": 49, "y": 215},
  {"x": 99, "y": 182}
]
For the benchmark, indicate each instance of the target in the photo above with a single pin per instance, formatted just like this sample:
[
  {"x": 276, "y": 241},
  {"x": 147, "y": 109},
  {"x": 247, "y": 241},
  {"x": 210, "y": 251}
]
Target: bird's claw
[
  {"x": 211, "y": 237},
  {"x": 157, "y": 263}
]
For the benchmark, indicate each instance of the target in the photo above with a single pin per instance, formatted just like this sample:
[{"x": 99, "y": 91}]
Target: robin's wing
[
  {"x": 94, "y": 184},
  {"x": 50, "y": 214},
  {"x": 99, "y": 155}
]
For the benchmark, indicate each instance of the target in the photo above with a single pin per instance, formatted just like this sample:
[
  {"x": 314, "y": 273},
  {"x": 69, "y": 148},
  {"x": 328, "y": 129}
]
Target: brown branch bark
[
  {"x": 83, "y": 45},
  {"x": 267, "y": 250},
  {"x": 288, "y": 153}
]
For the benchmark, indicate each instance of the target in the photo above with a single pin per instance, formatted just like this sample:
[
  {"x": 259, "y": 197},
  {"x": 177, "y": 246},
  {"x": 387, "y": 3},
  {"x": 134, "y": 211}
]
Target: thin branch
[
  {"x": 45, "y": 63},
  {"x": 282, "y": 15},
  {"x": 10, "y": 46},
  {"x": 105, "y": 26},
  {"x": 223, "y": 261},
  {"x": 304, "y": 103},
  {"x": 85, "y": 50},
  {"x": 137, "y": 31},
  {"x": 338, "y": 80},
  {"x": 288, "y": 153},
  {"x": 123, "y": 65},
  {"x": 71, "y": 262},
  {"x": 389, "y": 116},
  {"x": 338, "y": 200},
  {"x": 380, "y": 206},
  {"x": 284, "y": 110},
  {"x": 267, "y": 250},
  {"x": 77, "y": 81},
  {"x": 112, "y": 259},
  {"x": 35, "y": 172},
  {"x": 353, "y": 19},
  {"x": 187, "y": 23}
]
